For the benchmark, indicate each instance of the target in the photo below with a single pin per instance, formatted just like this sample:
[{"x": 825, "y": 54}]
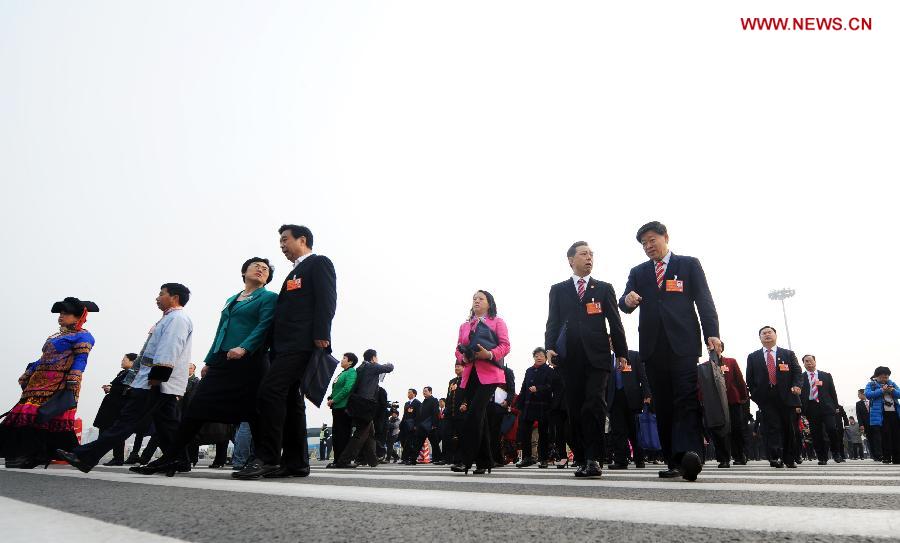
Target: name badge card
[
  {"x": 782, "y": 367},
  {"x": 294, "y": 284},
  {"x": 674, "y": 285},
  {"x": 593, "y": 308},
  {"x": 818, "y": 383},
  {"x": 627, "y": 368}
]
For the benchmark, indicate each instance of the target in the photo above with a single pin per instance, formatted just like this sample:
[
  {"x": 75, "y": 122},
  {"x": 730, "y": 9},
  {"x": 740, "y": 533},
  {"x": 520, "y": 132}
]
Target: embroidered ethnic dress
[{"x": 64, "y": 359}]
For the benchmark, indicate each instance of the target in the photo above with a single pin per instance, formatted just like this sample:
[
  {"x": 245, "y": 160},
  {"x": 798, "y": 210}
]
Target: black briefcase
[
  {"x": 317, "y": 376},
  {"x": 711, "y": 380}
]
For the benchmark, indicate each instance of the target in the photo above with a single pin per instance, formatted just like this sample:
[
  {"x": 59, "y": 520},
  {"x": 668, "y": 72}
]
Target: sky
[{"x": 439, "y": 148}]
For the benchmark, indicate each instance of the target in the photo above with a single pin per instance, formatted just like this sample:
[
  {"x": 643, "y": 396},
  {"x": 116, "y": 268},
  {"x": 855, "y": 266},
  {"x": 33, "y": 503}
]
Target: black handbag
[
  {"x": 715, "y": 396},
  {"x": 317, "y": 376},
  {"x": 484, "y": 336},
  {"x": 61, "y": 401},
  {"x": 361, "y": 408}
]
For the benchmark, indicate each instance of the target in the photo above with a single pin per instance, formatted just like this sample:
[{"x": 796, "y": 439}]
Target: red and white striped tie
[
  {"x": 660, "y": 272},
  {"x": 581, "y": 289},
  {"x": 813, "y": 389}
]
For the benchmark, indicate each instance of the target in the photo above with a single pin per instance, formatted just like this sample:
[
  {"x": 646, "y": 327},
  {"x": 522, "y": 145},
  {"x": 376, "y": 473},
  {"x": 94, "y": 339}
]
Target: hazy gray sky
[{"x": 439, "y": 148}]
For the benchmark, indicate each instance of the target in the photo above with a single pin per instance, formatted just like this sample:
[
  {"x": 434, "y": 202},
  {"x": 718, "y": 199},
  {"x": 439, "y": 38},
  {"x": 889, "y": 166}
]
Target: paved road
[{"x": 857, "y": 499}]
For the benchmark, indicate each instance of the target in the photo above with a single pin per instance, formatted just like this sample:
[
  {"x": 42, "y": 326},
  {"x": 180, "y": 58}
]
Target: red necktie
[
  {"x": 813, "y": 389},
  {"x": 660, "y": 272},
  {"x": 770, "y": 364},
  {"x": 581, "y": 289}
]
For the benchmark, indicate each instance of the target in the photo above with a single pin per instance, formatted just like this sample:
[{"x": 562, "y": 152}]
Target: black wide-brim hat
[{"x": 74, "y": 306}]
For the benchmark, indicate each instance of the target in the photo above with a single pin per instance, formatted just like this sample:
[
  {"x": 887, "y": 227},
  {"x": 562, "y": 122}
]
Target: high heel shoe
[
  {"x": 562, "y": 466},
  {"x": 481, "y": 471},
  {"x": 461, "y": 468}
]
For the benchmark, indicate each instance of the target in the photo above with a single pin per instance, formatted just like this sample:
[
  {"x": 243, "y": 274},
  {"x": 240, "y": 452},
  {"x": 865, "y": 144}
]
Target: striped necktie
[{"x": 660, "y": 272}]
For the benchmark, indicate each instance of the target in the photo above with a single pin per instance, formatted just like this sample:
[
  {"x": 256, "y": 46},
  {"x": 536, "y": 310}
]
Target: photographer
[{"x": 482, "y": 374}]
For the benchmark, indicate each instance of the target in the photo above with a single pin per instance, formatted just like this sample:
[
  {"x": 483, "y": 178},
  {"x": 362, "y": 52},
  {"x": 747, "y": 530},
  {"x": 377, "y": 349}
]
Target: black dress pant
[
  {"x": 779, "y": 422},
  {"x": 362, "y": 439},
  {"x": 494, "y": 417},
  {"x": 890, "y": 437},
  {"x": 140, "y": 404},
  {"x": 475, "y": 443},
  {"x": 560, "y": 433},
  {"x": 585, "y": 403},
  {"x": 409, "y": 441},
  {"x": 526, "y": 426},
  {"x": 731, "y": 444},
  {"x": 281, "y": 435},
  {"x": 822, "y": 426},
  {"x": 622, "y": 429},
  {"x": 341, "y": 427},
  {"x": 450, "y": 440},
  {"x": 673, "y": 381}
]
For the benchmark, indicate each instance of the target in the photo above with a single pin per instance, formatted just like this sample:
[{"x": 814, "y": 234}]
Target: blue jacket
[{"x": 876, "y": 401}]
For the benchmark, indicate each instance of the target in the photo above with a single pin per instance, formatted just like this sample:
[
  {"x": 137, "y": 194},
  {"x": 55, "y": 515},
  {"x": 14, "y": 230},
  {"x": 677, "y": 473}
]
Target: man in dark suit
[
  {"x": 533, "y": 403},
  {"x": 774, "y": 378},
  {"x": 453, "y": 417},
  {"x": 427, "y": 424},
  {"x": 580, "y": 308},
  {"x": 302, "y": 324},
  {"x": 667, "y": 287},
  {"x": 408, "y": 437},
  {"x": 627, "y": 392},
  {"x": 818, "y": 398},
  {"x": 862, "y": 416}
]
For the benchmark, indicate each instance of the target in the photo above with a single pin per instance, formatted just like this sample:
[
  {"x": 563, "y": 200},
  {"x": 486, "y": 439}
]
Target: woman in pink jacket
[{"x": 482, "y": 344}]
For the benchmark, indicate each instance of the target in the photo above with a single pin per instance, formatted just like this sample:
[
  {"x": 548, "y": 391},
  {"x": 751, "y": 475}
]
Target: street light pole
[{"x": 782, "y": 295}]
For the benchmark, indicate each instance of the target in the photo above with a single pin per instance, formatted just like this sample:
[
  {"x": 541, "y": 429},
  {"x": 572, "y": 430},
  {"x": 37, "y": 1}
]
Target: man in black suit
[
  {"x": 862, "y": 416},
  {"x": 667, "y": 287},
  {"x": 408, "y": 437},
  {"x": 427, "y": 424},
  {"x": 627, "y": 392},
  {"x": 818, "y": 398},
  {"x": 774, "y": 379},
  {"x": 580, "y": 308},
  {"x": 302, "y": 324},
  {"x": 533, "y": 403}
]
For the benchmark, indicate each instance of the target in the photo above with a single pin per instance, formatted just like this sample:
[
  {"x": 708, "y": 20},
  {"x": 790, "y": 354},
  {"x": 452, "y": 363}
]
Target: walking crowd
[{"x": 587, "y": 400}]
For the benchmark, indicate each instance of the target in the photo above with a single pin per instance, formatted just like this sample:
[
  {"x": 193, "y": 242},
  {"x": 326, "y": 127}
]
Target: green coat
[
  {"x": 342, "y": 387},
  {"x": 245, "y": 325}
]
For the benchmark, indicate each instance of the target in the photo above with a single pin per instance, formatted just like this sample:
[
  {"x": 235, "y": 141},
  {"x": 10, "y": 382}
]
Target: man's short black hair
[
  {"x": 809, "y": 355},
  {"x": 443, "y": 400},
  {"x": 539, "y": 350},
  {"x": 258, "y": 259},
  {"x": 881, "y": 370},
  {"x": 177, "y": 289},
  {"x": 652, "y": 226},
  {"x": 414, "y": 391},
  {"x": 297, "y": 231},
  {"x": 369, "y": 355},
  {"x": 574, "y": 248},
  {"x": 861, "y": 391},
  {"x": 131, "y": 356},
  {"x": 772, "y": 328},
  {"x": 352, "y": 358},
  {"x": 428, "y": 389}
]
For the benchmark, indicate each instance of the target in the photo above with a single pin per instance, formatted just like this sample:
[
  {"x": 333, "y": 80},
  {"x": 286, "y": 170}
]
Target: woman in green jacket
[
  {"x": 237, "y": 361},
  {"x": 341, "y": 389}
]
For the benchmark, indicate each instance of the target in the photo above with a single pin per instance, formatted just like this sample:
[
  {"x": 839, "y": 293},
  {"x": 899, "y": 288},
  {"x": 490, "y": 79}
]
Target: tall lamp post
[{"x": 783, "y": 295}]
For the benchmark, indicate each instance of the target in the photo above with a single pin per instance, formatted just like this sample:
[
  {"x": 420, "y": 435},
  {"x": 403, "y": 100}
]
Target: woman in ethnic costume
[{"x": 25, "y": 441}]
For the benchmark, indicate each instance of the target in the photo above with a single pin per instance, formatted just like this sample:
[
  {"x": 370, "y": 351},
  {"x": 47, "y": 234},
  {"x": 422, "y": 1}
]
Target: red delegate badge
[{"x": 294, "y": 284}]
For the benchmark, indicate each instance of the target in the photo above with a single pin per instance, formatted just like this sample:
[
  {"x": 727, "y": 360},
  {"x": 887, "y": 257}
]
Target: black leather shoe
[
  {"x": 691, "y": 466},
  {"x": 131, "y": 460},
  {"x": 790, "y": 465},
  {"x": 617, "y": 466},
  {"x": 341, "y": 465},
  {"x": 255, "y": 470},
  {"x": 640, "y": 465},
  {"x": 543, "y": 465},
  {"x": 526, "y": 462},
  {"x": 216, "y": 466},
  {"x": 285, "y": 472},
  {"x": 776, "y": 463},
  {"x": 839, "y": 459},
  {"x": 823, "y": 462},
  {"x": 74, "y": 461},
  {"x": 724, "y": 465},
  {"x": 581, "y": 471},
  {"x": 592, "y": 469},
  {"x": 670, "y": 473},
  {"x": 481, "y": 471},
  {"x": 741, "y": 462},
  {"x": 114, "y": 463}
]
